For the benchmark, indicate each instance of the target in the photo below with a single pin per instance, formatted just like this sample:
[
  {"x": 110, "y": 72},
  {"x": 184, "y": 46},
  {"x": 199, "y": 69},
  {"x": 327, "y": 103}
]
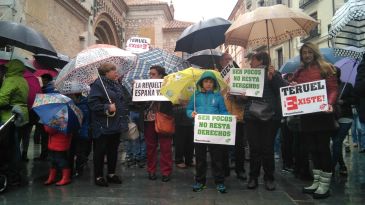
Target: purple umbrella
[{"x": 348, "y": 68}]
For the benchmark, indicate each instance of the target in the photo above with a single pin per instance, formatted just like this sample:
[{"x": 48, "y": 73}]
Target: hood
[
  {"x": 15, "y": 68},
  {"x": 208, "y": 74}
]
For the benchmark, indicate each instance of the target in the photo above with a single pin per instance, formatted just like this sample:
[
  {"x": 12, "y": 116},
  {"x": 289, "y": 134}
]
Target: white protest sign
[
  {"x": 304, "y": 98},
  {"x": 247, "y": 80},
  {"x": 225, "y": 72},
  {"x": 138, "y": 44},
  {"x": 215, "y": 129},
  {"x": 148, "y": 90}
]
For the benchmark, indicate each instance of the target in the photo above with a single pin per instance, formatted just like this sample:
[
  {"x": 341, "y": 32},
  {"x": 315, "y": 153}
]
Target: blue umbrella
[
  {"x": 150, "y": 58},
  {"x": 348, "y": 68},
  {"x": 58, "y": 111},
  {"x": 294, "y": 63}
]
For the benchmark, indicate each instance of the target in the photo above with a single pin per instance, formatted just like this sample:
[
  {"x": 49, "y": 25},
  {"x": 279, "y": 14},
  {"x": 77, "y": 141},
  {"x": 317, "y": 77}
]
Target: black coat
[
  {"x": 271, "y": 95},
  {"x": 98, "y": 102},
  {"x": 360, "y": 89}
]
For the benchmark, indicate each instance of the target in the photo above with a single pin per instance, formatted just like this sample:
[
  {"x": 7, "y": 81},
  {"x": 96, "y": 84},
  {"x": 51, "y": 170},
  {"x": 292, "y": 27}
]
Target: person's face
[
  {"x": 225, "y": 60},
  {"x": 208, "y": 84},
  {"x": 154, "y": 74},
  {"x": 307, "y": 55},
  {"x": 255, "y": 63},
  {"x": 112, "y": 74}
]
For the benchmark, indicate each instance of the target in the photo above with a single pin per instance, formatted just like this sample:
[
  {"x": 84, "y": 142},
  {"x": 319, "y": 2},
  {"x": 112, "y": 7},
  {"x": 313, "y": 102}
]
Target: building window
[
  {"x": 279, "y": 1},
  {"x": 304, "y": 3},
  {"x": 279, "y": 53},
  {"x": 314, "y": 32},
  {"x": 261, "y": 2},
  {"x": 248, "y": 4}
]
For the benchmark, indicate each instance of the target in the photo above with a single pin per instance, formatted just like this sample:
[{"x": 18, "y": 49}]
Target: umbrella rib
[
  {"x": 295, "y": 21},
  {"x": 250, "y": 29},
  {"x": 273, "y": 28}
]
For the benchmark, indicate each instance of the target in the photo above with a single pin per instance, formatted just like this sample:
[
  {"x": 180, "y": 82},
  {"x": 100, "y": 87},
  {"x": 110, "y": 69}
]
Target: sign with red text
[
  {"x": 304, "y": 98},
  {"x": 138, "y": 44},
  {"x": 148, "y": 90},
  {"x": 215, "y": 129}
]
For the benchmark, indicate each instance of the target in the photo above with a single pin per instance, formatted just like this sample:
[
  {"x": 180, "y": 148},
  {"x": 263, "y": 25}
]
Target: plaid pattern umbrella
[
  {"x": 348, "y": 28},
  {"x": 147, "y": 59}
]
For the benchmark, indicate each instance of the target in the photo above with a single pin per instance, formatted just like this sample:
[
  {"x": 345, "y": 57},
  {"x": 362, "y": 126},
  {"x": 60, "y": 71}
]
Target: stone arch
[{"x": 106, "y": 31}]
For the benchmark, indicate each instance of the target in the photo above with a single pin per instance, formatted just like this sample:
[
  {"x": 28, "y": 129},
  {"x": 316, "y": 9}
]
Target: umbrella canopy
[
  {"x": 348, "y": 68},
  {"x": 57, "y": 111},
  {"x": 82, "y": 70},
  {"x": 50, "y": 61},
  {"x": 348, "y": 28},
  {"x": 24, "y": 37},
  {"x": 269, "y": 25},
  {"x": 294, "y": 63},
  {"x": 205, "y": 58},
  {"x": 180, "y": 86},
  {"x": 147, "y": 59},
  {"x": 7, "y": 56},
  {"x": 206, "y": 34}
]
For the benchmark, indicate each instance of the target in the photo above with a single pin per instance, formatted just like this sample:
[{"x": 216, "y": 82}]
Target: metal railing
[
  {"x": 304, "y": 3},
  {"x": 313, "y": 33}
]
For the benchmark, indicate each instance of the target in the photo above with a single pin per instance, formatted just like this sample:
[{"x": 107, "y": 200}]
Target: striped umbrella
[
  {"x": 347, "y": 32},
  {"x": 150, "y": 58}
]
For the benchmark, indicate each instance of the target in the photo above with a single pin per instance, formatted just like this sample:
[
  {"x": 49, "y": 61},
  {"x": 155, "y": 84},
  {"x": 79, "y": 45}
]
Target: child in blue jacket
[{"x": 208, "y": 100}]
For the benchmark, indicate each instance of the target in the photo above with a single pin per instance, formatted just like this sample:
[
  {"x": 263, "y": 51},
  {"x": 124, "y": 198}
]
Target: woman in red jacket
[
  {"x": 317, "y": 128},
  {"x": 58, "y": 146}
]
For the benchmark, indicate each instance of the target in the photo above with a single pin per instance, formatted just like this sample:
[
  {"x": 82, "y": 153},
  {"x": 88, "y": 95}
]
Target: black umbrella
[
  {"x": 205, "y": 58},
  {"x": 50, "y": 61},
  {"x": 24, "y": 37},
  {"x": 206, "y": 34}
]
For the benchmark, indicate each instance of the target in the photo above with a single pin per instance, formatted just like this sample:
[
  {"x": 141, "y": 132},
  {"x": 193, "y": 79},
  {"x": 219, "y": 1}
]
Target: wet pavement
[{"x": 137, "y": 189}]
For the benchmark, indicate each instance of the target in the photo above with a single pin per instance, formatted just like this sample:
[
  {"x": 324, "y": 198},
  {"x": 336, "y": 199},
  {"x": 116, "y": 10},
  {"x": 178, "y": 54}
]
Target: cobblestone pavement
[{"x": 137, "y": 189}]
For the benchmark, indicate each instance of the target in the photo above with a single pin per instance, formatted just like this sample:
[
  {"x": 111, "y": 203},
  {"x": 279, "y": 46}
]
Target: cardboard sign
[
  {"x": 215, "y": 129},
  {"x": 247, "y": 80},
  {"x": 225, "y": 73},
  {"x": 304, "y": 98},
  {"x": 138, "y": 44},
  {"x": 148, "y": 90}
]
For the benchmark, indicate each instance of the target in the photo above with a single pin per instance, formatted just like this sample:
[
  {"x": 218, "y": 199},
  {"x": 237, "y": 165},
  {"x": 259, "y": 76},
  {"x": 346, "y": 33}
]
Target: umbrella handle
[{"x": 107, "y": 95}]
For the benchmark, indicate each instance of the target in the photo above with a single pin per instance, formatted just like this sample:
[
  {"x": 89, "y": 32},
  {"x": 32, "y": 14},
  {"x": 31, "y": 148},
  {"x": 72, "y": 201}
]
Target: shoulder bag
[
  {"x": 164, "y": 124},
  {"x": 261, "y": 110}
]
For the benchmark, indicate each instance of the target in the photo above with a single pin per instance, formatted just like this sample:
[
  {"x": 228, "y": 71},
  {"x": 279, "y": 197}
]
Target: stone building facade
[{"x": 72, "y": 25}]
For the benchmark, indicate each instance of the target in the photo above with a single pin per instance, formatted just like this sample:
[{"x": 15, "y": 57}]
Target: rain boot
[
  {"x": 312, "y": 188},
  {"x": 323, "y": 190},
  {"x": 51, "y": 176},
  {"x": 66, "y": 177}
]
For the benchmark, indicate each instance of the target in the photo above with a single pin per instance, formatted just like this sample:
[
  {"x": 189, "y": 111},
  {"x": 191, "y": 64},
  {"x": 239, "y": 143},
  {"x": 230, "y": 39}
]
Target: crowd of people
[{"x": 108, "y": 108}]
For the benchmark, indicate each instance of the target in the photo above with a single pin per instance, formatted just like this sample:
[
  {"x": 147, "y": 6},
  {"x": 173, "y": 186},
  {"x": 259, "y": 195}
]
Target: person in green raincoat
[{"x": 13, "y": 98}]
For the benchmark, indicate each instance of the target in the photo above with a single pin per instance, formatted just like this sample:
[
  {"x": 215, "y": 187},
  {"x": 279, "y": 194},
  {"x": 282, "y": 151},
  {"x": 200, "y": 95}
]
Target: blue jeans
[
  {"x": 362, "y": 136},
  {"x": 356, "y": 128},
  {"x": 337, "y": 141},
  {"x": 136, "y": 149},
  {"x": 277, "y": 143}
]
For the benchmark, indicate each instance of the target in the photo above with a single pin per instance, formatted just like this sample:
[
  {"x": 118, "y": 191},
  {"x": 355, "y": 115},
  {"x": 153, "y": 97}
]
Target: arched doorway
[{"x": 105, "y": 30}]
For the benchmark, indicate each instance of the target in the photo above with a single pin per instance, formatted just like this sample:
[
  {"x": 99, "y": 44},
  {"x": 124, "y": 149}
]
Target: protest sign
[
  {"x": 148, "y": 90},
  {"x": 247, "y": 80},
  {"x": 215, "y": 129},
  {"x": 304, "y": 98},
  {"x": 138, "y": 44},
  {"x": 225, "y": 73}
]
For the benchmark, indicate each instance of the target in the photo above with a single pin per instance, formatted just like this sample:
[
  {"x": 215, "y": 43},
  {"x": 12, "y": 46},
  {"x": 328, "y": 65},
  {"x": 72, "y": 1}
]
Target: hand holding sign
[
  {"x": 270, "y": 72},
  {"x": 193, "y": 114}
]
